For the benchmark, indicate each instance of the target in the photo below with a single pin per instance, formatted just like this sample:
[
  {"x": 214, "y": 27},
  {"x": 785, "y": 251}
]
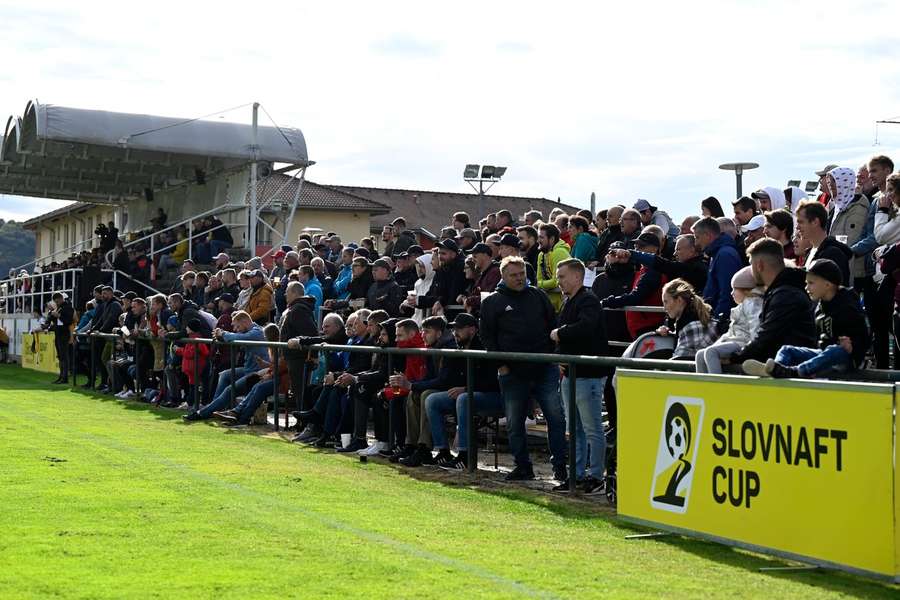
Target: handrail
[
  {"x": 189, "y": 221},
  {"x": 131, "y": 278}
]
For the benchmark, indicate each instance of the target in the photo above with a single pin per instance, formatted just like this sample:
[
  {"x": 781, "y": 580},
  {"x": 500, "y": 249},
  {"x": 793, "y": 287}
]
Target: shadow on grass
[{"x": 535, "y": 494}]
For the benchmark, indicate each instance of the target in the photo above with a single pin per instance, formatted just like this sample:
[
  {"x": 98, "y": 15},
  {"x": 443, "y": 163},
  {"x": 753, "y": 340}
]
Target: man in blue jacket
[
  {"x": 244, "y": 329},
  {"x": 724, "y": 262}
]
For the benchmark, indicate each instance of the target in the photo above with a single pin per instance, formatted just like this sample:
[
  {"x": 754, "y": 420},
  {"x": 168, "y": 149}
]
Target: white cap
[{"x": 756, "y": 223}]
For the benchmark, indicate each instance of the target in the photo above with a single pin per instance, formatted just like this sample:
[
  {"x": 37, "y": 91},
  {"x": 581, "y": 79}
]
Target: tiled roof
[
  {"x": 432, "y": 210},
  {"x": 316, "y": 196}
]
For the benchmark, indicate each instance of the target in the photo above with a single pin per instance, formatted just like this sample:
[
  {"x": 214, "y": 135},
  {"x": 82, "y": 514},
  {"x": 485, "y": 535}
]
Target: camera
[{"x": 101, "y": 229}]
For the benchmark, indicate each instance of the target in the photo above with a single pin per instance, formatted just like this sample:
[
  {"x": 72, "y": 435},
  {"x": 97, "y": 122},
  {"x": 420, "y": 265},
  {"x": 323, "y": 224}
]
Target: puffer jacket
[
  {"x": 260, "y": 304},
  {"x": 745, "y": 318}
]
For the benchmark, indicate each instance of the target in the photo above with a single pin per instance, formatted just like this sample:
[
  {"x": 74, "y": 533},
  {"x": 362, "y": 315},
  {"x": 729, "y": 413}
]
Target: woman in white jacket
[
  {"x": 420, "y": 287},
  {"x": 748, "y": 296}
]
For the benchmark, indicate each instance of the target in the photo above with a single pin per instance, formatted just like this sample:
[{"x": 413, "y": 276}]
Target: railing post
[
  {"x": 93, "y": 360},
  {"x": 471, "y": 438},
  {"x": 74, "y": 366},
  {"x": 137, "y": 366},
  {"x": 190, "y": 239},
  {"x": 152, "y": 260},
  {"x": 573, "y": 416},
  {"x": 275, "y": 382},
  {"x": 390, "y": 368},
  {"x": 231, "y": 361},
  {"x": 301, "y": 397},
  {"x": 196, "y": 385}
]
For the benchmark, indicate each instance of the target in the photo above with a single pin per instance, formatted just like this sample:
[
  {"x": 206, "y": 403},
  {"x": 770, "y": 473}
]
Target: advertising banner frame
[{"x": 660, "y": 441}]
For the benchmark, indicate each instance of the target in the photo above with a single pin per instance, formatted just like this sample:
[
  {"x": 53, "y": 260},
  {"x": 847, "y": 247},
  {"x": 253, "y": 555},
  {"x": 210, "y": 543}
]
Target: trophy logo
[{"x": 676, "y": 454}]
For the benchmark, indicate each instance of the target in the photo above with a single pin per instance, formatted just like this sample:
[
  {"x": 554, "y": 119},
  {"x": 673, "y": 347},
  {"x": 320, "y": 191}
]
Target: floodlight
[
  {"x": 487, "y": 172},
  {"x": 471, "y": 172},
  {"x": 499, "y": 172},
  {"x": 811, "y": 186},
  {"x": 794, "y": 183}
]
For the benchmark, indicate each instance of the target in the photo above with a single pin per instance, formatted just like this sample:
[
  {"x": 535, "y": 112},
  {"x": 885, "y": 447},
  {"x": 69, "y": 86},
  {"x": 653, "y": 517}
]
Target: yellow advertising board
[
  {"x": 39, "y": 352},
  {"x": 803, "y": 469}
]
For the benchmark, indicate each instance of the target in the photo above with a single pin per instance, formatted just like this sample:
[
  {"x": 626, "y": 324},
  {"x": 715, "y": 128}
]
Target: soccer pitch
[{"x": 104, "y": 499}]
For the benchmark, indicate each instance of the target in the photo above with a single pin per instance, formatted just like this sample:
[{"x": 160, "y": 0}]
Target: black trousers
[
  {"x": 61, "y": 341},
  {"x": 881, "y": 320},
  {"x": 365, "y": 397}
]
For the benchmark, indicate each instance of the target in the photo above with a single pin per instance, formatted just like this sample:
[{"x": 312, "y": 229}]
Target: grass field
[{"x": 101, "y": 499}]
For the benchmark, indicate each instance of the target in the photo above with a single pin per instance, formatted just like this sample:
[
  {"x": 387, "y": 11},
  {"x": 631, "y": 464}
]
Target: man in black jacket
[
  {"x": 403, "y": 239},
  {"x": 612, "y": 233},
  {"x": 384, "y": 294},
  {"x": 689, "y": 263},
  {"x": 840, "y": 325},
  {"x": 519, "y": 318},
  {"x": 61, "y": 319},
  {"x": 449, "y": 272},
  {"x": 109, "y": 318},
  {"x": 297, "y": 320},
  {"x": 486, "y": 399},
  {"x": 787, "y": 313},
  {"x": 581, "y": 331},
  {"x": 812, "y": 220}
]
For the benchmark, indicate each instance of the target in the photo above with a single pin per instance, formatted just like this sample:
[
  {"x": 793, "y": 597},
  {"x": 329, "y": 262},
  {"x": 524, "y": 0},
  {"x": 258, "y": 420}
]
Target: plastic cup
[{"x": 345, "y": 439}]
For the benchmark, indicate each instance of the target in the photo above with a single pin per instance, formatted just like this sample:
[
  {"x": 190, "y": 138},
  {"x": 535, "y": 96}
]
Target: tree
[{"x": 16, "y": 246}]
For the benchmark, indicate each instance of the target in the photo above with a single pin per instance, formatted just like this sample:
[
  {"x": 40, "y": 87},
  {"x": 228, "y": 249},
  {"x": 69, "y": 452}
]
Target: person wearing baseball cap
[
  {"x": 754, "y": 229},
  {"x": 467, "y": 238},
  {"x": 449, "y": 272},
  {"x": 261, "y": 301},
  {"x": 221, "y": 260},
  {"x": 486, "y": 401},
  {"x": 651, "y": 215},
  {"x": 840, "y": 327},
  {"x": 769, "y": 198},
  {"x": 384, "y": 293},
  {"x": 511, "y": 245},
  {"x": 646, "y": 289},
  {"x": 487, "y": 275}
]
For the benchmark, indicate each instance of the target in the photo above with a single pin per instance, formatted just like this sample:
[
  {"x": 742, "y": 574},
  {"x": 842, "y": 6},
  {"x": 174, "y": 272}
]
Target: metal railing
[
  {"x": 225, "y": 208},
  {"x": 469, "y": 356}
]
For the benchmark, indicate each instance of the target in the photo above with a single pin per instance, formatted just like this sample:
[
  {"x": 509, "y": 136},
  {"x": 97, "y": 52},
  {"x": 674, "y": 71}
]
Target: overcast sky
[{"x": 628, "y": 100}]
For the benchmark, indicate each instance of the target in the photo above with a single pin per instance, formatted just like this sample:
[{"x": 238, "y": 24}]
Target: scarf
[{"x": 844, "y": 188}]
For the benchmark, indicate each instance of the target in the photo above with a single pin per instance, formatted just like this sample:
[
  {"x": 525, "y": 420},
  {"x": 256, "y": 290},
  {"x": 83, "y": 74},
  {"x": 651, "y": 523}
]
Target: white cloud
[{"x": 627, "y": 100}]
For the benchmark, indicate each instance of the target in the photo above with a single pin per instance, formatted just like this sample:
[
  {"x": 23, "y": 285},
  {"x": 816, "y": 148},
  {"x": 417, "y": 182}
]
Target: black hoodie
[
  {"x": 840, "y": 253},
  {"x": 298, "y": 321},
  {"x": 582, "y": 331},
  {"x": 786, "y": 318},
  {"x": 843, "y": 316}
]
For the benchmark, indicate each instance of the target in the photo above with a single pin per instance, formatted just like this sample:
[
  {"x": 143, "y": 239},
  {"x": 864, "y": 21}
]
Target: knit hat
[
  {"x": 828, "y": 270},
  {"x": 744, "y": 279}
]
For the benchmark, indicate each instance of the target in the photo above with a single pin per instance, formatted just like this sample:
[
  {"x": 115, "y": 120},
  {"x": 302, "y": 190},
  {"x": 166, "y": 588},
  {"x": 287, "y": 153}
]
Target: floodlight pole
[
  {"x": 481, "y": 192},
  {"x": 251, "y": 229}
]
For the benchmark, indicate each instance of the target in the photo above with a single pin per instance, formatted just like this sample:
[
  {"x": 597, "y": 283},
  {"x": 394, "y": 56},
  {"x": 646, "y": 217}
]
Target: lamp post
[
  {"x": 489, "y": 174},
  {"x": 739, "y": 168}
]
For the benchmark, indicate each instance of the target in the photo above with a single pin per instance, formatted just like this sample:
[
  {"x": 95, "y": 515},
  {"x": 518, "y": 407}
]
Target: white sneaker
[
  {"x": 383, "y": 446},
  {"x": 184, "y": 406},
  {"x": 372, "y": 450},
  {"x": 127, "y": 394}
]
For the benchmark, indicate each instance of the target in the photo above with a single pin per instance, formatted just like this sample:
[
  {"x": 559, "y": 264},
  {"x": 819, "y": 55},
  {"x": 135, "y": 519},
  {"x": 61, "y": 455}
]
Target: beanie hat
[
  {"x": 828, "y": 270},
  {"x": 744, "y": 279}
]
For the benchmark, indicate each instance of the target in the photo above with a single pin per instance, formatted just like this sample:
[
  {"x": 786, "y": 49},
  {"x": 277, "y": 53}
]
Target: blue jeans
[
  {"x": 810, "y": 361},
  {"x": 439, "y": 404},
  {"x": 223, "y": 392},
  {"x": 252, "y": 401},
  {"x": 331, "y": 405},
  {"x": 517, "y": 392},
  {"x": 588, "y": 425}
]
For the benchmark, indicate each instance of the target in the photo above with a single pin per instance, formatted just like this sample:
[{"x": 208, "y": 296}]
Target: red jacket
[
  {"x": 640, "y": 322},
  {"x": 191, "y": 353},
  {"x": 416, "y": 366}
]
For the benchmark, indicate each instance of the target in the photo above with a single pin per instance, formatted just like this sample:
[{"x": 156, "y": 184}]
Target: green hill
[{"x": 16, "y": 246}]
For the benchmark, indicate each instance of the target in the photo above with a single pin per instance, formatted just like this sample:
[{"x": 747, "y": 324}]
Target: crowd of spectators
[{"x": 782, "y": 286}]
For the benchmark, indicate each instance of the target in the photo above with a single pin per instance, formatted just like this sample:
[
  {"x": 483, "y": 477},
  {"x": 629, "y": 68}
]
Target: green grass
[{"x": 100, "y": 499}]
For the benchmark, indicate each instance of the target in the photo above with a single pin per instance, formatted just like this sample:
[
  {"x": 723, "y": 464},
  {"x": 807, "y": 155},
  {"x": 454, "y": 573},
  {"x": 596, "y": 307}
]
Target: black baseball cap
[
  {"x": 449, "y": 244},
  {"x": 415, "y": 250},
  {"x": 227, "y": 297},
  {"x": 511, "y": 239},
  {"x": 647, "y": 239},
  {"x": 482, "y": 248},
  {"x": 464, "y": 320}
]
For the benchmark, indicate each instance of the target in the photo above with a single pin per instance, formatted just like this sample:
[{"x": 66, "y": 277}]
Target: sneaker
[
  {"x": 561, "y": 488},
  {"x": 780, "y": 371},
  {"x": 194, "y": 416},
  {"x": 309, "y": 434},
  {"x": 758, "y": 368},
  {"x": 372, "y": 450},
  {"x": 561, "y": 474},
  {"x": 119, "y": 395},
  {"x": 183, "y": 406},
  {"x": 403, "y": 452},
  {"x": 520, "y": 474},
  {"x": 355, "y": 445},
  {"x": 455, "y": 463},
  {"x": 417, "y": 458},
  {"x": 593, "y": 486},
  {"x": 235, "y": 425},
  {"x": 228, "y": 415},
  {"x": 425, "y": 456},
  {"x": 62, "y": 381},
  {"x": 324, "y": 441},
  {"x": 127, "y": 394},
  {"x": 443, "y": 456}
]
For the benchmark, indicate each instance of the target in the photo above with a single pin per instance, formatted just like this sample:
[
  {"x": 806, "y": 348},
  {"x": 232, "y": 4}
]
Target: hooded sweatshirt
[
  {"x": 422, "y": 285},
  {"x": 796, "y": 197},
  {"x": 776, "y": 197},
  {"x": 416, "y": 367},
  {"x": 849, "y": 215}
]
